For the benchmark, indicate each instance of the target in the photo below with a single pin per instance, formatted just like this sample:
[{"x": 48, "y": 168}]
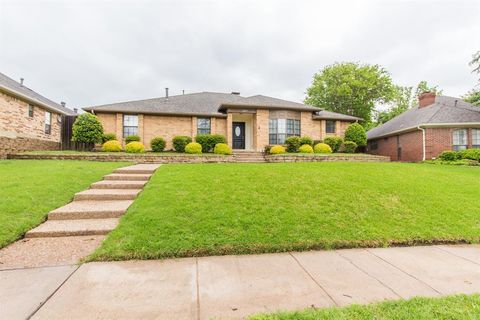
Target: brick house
[
  {"x": 249, "y": 123},
  {"x": 28, "y": 121},
  {"x": 439, "y": 123}
]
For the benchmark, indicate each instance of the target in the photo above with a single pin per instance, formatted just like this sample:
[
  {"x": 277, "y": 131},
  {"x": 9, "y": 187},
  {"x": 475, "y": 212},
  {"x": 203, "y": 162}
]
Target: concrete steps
[
  {"x": 89, "y": 209},
  {"x": 138, "y": 169},
  {"x": 107, "y": 194},
  {"x": 118, "y": 184},
  {"x": 248, "y": 157},
  {"x": 66, "y": 228},
  {"x": 127, "y": 177}
]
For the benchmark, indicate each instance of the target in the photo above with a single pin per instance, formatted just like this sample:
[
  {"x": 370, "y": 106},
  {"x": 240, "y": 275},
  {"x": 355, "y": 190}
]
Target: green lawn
[
  {"x": 451, "y": 308},
  {"x": 32, "y": 188},
  {"x": 211, "y": 209}
]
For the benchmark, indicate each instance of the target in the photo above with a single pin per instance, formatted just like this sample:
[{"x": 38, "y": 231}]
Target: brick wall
[
  {"x": 262, "y": 126},
  {"x": 20, "y": 144}
]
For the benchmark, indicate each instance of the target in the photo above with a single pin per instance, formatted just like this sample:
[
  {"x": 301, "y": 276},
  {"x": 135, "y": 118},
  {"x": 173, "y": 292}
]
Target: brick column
[
  {"x": 194, "y": 128},
  {"x": 229, "y": 129},
  {"x": 213, "y": 126},
  {"x": 119, "y": 127},
  {"x": 141, "y": 130},
  {"x": 262, "y": 129}
]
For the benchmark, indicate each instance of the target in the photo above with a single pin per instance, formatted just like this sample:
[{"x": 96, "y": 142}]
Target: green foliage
[
  {"x": 306, "y": 140},
  {"x": 460, "y": 162},
  {"x": 222, "y": 148},
  {"x": 158, "y": 144},
  {"x": 208, "y": 141},
  {"x": 472, "y": 154},
  {"x": 193, "y": 147},
  {"x": 334, "y": 142},
  {"x": 132, "y": 139},
  {"x": 179, "y": 143},
  {"x": 322, "y": 148},
  {"x": 356, "y": 133},
  {"x": 87, "y": 129},
  {"x": 349, "y": 147},
  {"x": 351, "y": 88},
  {"x": 277, "y": 149},
  {"x": 305, "y": 148},
  {"x": 473, "y": 97},
  {"x": 112, "y": 146},
  {"x": 135, "y": 147},
  {"x": 293, "y": 143},
  {"x": 108, "y": 136},
  {"x": 449, "y": 156},
  {"x": 475, "y": 63},
  {"x": 267, "y": 148}
]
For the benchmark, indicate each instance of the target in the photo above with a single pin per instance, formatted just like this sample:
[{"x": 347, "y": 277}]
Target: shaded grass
[
  {"x": 215, "y": 209},
  {"x": 32, "y": 188},
  {"x": 453, "y": 308}
]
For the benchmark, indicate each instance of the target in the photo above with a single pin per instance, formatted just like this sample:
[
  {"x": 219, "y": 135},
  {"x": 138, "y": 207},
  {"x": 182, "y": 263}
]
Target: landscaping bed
[
  {"x": 196, "y": 210},
  {"x": 316, "y": 157},
  {"x": 31, "y": 189}
]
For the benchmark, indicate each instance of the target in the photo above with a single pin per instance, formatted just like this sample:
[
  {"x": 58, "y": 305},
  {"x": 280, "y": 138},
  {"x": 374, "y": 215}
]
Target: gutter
[
  {"x": 423, "y": 143},
  {"x": 428, "y": 125}
]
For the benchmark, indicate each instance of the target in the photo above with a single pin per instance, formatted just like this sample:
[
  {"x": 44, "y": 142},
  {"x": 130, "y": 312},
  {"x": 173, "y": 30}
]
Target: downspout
[{"x": 423, "y": 142}]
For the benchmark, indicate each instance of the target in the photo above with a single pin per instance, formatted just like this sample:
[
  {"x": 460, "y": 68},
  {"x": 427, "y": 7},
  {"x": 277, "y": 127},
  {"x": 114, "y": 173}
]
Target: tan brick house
[
  {"x": 249, "y": 123},
  {"x": 439, "y": 123},
  {"x": 28, "y": 121}
]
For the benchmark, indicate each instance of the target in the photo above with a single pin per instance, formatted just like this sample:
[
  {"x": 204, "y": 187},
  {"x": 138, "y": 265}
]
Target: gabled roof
[
  {"x": 445, "y": 110},
  {"x": 329, "y": 115},
  {"x": 210, "y": 104},
  {"x": 13, "y": 87}
]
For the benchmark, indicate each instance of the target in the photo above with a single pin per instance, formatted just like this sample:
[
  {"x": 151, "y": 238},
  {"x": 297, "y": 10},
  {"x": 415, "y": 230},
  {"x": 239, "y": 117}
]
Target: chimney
[
  {"x": 166, "y": 93},
  {"x": 63, "y": 104},
  {"x": 21, "y": 81},
  {"x": 75, "y": 110},
  {"x": 236, "y": 93},
  {"x": 425, "y": 99},
  {"x": 183, "y": 92}
]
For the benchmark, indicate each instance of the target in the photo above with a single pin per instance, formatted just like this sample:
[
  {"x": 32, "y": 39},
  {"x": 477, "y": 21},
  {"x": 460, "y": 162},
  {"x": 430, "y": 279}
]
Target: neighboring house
[
  {"x": 28, "y": 121},
  {"x": 249, "y": 123},
  {"x": 439, "y": 123}
]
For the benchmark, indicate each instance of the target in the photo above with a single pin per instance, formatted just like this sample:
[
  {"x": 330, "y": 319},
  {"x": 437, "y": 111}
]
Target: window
[
  {"x": 48, "y": 122},
  {"x": 373, "y": 145},
  {"x": 331, "y": 126},
  {"x": 203, "y": 125},
  {"x": 281, "y": 129},
  {"x": 460, "y": 139},
  {"x": 130, "y": 125},
  {"x": 476, "y": 138},
  {"x": 30, "y": 111}
]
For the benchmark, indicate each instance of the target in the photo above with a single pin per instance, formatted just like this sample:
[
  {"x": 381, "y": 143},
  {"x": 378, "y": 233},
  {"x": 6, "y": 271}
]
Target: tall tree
[
  {"x": 351, "y": 88},
  {"x": 473, "y": 96},
  {"x": 475, "y": 63}
]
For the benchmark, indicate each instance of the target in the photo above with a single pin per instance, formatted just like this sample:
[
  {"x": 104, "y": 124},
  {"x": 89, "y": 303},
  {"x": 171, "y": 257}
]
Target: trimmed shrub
[
  {"x": 112, "y": 146},
  {"x": 157, "y": 144},
  {"x": 108, "y": 137},
  {"x": 193, "y": 147},
  {"x": 277, "y": 149},
  {"x": 449, "y": 155},
  {"x": 471, "y": 154},
  {"x": 267, "y": 149},
  {"x": 334, "y": 142},
  {"x": 222, "y": 148},
  {"x": 306, "y": 140},
  {"x": 293, "y": 143},
  {"x": 132, "y": 139},
  {"x": 322, "y": 148},
  {"x": 349, "y": 147},
  {"x": 179, "y": 143},
  {"x": 135, "y": 147},
  {"x": 305, "y": 148},
  {"x": 208, "y": 141},
  {"x": 356, "y": 133},
  {"x": 87, "y": 129}
]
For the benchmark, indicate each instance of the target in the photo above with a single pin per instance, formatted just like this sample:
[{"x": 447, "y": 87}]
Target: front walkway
[{"x": 237, "y": 286}]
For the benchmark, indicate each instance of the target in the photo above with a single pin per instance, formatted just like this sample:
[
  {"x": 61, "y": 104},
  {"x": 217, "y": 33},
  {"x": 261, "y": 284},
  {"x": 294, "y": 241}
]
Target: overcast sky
[{"x": 95, "y": 52}]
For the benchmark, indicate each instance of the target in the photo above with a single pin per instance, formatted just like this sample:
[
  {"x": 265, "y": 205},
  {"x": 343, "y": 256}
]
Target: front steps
[
  {"x": 248, "y": 156},
  {"x": 96, "y": 211}
]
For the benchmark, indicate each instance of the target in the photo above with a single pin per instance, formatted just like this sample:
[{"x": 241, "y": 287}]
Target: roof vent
[
  {"x": 75, "y": 110},
  {"x": 63, "y": 104},
  {"x": 425, "y": 99},
  {"x": 236, "y": 93},
  {"x": 166, "y": 93},
  {"x": 21, "y": 81}
]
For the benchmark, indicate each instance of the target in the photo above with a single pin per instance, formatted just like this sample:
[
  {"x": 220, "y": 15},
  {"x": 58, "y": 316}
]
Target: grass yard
[
  {"x": 452, "y": 308},
  {"x": 32, "y": 188},
  {"x": 214, "y": 209}
]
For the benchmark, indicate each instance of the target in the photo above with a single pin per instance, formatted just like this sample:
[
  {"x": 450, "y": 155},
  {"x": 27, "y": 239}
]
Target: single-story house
[
  {"x": 249, "y": 123},
  {"x": 439, "y": 123},
  {"x": 28, "y": 120}
]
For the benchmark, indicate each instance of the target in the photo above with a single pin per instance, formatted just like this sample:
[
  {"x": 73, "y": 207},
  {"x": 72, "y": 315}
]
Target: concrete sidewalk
[{"x": 237, "y": 286}]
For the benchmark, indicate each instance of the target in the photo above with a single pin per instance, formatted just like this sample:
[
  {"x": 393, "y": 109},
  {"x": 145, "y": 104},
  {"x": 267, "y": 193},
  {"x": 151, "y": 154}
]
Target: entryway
[{"x": 238, "y": 135}]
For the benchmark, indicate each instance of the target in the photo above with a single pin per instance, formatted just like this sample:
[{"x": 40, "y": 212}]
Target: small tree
[
  {"x": 87, "y": 129},
  {"x": 356, "y": 133}
]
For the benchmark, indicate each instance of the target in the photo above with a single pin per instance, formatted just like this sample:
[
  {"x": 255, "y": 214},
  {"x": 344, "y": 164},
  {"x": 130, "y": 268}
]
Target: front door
[{"x": 238, "y": 132}]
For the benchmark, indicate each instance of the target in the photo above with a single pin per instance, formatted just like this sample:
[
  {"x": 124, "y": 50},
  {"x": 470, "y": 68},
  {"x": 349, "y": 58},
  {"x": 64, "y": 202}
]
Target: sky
[{"x": 95, "y": 52}]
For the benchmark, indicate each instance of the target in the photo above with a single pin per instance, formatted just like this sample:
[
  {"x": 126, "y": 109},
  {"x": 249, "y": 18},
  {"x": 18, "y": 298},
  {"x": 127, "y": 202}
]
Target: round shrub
[
  {"x": 222, "y": 148},
  {"x": 449, "y": 155},
  {"x": 157, "y": 144},
  {"x": 179, "y": 143},
  {"x": 306, "y": 140},
  {"x": 108, "y": 137},
  {"x": 349, "y": 147},
  {"x": 132, "y": 139},
  {"x": 193, "y": 147},
  {"x": 112, "y": 146},
  {"x": 277, "y": 149},
  {"x": 470, "y": 154},
  {"x": 306, "y": 148},
  {"x": 293, "y": 143},
  {"x": 322, "y": 148},
  {"x": 135, "y": 147},
  {"x": 334, "y": 142},
  {"x": 208, "y": 141},
  {"x": 356, "y": 133},
  {"x": 87, "y": 129}
]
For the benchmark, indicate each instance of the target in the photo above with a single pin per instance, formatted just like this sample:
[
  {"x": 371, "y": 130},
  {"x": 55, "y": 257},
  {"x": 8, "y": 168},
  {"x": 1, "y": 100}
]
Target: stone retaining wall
[
  {"x": 21, "y": 144},
  {"x": 319, "y": 158}
]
